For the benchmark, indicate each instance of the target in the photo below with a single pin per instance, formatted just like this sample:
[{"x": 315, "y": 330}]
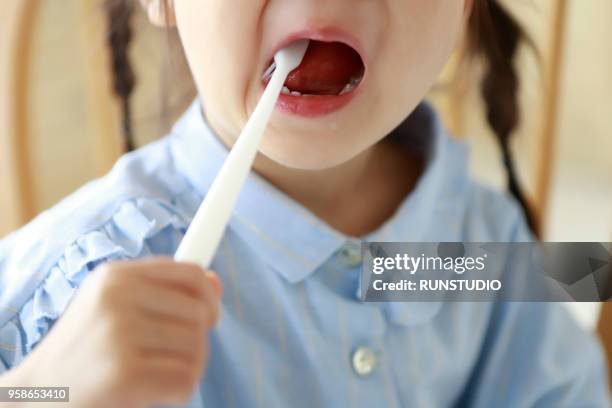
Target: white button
[
  {"x": 350, "y": 254},
  {"x": 364, "y": 361}
]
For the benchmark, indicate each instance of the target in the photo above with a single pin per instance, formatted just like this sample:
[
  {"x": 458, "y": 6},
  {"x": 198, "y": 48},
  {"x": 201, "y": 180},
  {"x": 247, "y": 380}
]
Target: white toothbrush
[{"x": 205, "y": 232}]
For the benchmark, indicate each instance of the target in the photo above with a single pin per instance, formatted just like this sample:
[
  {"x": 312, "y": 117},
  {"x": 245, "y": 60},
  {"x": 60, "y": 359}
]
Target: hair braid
[
  {"x": 495, "y": 35},
  {"x": 119, "y": 14}
]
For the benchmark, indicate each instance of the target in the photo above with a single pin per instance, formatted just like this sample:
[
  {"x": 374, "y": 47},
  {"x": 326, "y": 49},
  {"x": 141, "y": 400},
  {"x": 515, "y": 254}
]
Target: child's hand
[{"x": 136, "y": 334}]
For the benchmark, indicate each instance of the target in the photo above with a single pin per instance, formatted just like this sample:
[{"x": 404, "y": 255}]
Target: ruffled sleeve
[{"x": 140, "y": 227}]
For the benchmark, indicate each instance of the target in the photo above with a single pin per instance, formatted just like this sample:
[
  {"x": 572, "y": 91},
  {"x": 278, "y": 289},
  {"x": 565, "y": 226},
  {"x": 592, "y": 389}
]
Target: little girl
[{"x": 351, "y": 154}]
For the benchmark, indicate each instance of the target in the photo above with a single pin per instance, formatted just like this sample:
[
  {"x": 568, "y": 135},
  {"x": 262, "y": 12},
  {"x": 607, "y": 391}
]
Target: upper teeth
[
  {"x": 351, "y": 85},
  {"x": 348, "y": 88}
]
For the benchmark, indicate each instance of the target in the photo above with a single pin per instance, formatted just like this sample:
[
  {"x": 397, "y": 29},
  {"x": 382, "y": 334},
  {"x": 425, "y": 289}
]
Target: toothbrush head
[{"x": 290, "y": 57}]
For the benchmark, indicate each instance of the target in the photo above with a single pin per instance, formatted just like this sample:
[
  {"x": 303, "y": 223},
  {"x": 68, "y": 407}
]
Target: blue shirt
[{"x": 293, "y": 331}]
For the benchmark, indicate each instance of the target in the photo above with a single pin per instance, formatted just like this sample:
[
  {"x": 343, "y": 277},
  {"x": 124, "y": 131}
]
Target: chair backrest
[
  {"x": 15, "y": 17},
  {"x": 36, "y": 118},
  {"x": 59, "y": 119}
]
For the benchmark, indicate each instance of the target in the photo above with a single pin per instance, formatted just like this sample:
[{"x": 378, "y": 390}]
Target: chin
[
  {"x": 307, "y": 154},
  {"x": 302, "y": 162}
]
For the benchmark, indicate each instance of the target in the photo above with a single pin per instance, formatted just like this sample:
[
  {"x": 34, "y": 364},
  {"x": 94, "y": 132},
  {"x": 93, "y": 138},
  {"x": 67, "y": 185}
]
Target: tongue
[{"x": 326, "y": 69}]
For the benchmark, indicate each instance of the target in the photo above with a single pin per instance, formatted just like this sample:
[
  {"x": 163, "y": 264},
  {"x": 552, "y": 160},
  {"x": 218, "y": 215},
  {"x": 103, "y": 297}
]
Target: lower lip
[{"x": 315, "y": 105}]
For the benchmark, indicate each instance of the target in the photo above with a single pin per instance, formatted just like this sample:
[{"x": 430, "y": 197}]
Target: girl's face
[{"x": 393, "y": 49}]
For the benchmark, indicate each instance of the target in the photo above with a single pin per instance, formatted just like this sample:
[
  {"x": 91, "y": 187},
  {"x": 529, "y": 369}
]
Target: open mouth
[{"x": 328, "y": 69}]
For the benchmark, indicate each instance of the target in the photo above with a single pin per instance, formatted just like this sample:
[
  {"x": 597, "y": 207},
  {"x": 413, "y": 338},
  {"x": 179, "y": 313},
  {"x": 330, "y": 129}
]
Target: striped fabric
[{"x": 293, "y": 332}]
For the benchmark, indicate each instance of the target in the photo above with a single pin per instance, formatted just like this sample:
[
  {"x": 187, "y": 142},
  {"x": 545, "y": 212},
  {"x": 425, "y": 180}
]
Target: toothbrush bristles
[{"x": 269, "y": 71}]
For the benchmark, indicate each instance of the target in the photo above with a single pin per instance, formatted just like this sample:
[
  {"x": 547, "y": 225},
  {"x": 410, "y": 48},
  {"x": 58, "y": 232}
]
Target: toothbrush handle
[{"x": 206, "y": 230}]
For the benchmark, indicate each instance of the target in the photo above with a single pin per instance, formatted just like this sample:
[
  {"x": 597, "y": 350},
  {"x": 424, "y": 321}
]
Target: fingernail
[{"x": 216, "y": 282}]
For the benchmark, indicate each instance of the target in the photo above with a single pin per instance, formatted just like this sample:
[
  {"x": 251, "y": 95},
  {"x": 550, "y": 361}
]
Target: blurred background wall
[{"x": 73, "y": 135}]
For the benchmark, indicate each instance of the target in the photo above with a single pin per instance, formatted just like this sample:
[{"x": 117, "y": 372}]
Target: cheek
[
  {"x": 221, "y": 46},
  {"x": 425, "y": 35}
]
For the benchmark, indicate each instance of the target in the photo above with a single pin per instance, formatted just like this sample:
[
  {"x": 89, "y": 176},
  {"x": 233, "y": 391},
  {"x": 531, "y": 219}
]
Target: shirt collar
[
  {"x": 431, "y": 211},
  {"x": 288, "y": 236}
]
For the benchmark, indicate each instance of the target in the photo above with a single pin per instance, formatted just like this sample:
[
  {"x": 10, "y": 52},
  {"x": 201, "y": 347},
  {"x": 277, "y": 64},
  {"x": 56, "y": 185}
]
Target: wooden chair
[
  {"x": 19, "y": 98},
  {"x": 15, "y": 200}
]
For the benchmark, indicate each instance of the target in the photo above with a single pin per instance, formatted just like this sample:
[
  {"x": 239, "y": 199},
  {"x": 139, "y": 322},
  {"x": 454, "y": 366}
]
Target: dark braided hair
[
  {"x": 496, "y": 36},
  {"x": 120, "y": 14}
]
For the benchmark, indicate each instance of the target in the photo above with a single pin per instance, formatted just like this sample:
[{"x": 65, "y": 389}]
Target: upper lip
[{"x": 325, "y": 34}]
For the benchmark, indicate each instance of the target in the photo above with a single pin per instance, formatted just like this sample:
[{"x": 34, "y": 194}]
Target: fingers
[
  {"x": 185, "y": 278},
  {"x": 170, "y": 381},
  {"x": 170, "y": 339},
  {"x": 188, "y": 277},
  {"x": 142, "y": 327},
  {"x": 159, "y": 379},
  {"x": 176, "y": 305},
  {"x": 163, "y": 292}
]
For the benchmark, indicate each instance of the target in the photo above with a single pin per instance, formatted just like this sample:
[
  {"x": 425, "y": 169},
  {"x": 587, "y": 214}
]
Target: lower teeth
[
  {"x": 349, "y": 87},
  {"x": 287, "y": 91}
]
